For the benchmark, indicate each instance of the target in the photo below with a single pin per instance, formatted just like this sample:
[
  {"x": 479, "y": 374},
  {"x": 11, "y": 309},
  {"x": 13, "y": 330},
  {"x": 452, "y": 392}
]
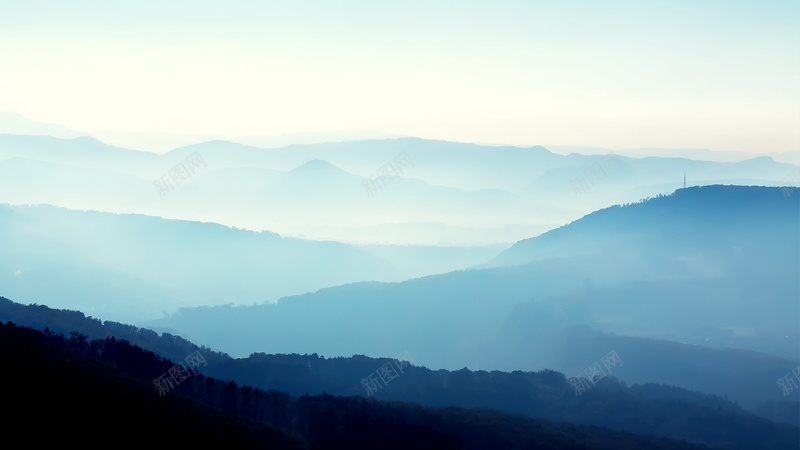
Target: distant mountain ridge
[
  {"x": 448, "y": 193},
  {"x": 138, "y": 266},
  {"x": 792, "y": 157},
  {"x": 15, "y": 123},
  {"x": 135, "y": 267}
]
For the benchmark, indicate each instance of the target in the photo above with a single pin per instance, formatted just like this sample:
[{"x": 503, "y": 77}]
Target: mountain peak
[
  {"x": 317, "y": 167},
  {"x": 315, "y": 164}
]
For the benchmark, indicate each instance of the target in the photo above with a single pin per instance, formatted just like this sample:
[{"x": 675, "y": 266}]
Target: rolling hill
[{"x": 596, "y": 274}]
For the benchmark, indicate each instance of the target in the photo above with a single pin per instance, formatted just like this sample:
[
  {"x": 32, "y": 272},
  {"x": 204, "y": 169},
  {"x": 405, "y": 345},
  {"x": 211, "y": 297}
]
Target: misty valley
[
  {"x": 662, "y": 322},
  {"x": 350, "y": 224}
]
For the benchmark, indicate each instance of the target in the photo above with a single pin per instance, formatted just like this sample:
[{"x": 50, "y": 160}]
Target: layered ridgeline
[
  {"x": 133, "y": 267},
  {"x": 14, "y": 123},
  {"x": 727, "y": 277},
  {"x": 432, "y": 192},
  {"x": 709, "y": 230},
  {"x": 116, "y": 377},
  {"x": 112, "y": 381}
]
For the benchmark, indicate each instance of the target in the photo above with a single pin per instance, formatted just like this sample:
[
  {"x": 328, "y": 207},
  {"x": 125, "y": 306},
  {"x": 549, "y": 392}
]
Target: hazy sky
[{"x": 723, "y": 75}]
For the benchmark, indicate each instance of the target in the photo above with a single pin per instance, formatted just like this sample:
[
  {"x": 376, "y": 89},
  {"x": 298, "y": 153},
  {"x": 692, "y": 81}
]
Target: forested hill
[
  {"x": 111, "y": 380},
  {"x": 649, "y": 409},
  {"x": 723, "y": 221},
  {"x": 688, "y": 268}
]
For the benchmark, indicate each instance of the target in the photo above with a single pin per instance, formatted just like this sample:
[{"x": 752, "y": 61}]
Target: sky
[{"x": 723, "y": 75}]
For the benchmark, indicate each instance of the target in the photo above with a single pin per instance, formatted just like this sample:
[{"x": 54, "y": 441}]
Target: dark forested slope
[
  {"x": 109, "y": 379},
  {"x": 644, "y": 409}
]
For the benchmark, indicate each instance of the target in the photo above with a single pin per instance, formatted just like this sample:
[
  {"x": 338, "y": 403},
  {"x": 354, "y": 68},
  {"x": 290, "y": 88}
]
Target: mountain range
[
  {"x": 633, "y": 291},
  {"x": 440, "y": 193},
  {"x": 652, "y": 294}
]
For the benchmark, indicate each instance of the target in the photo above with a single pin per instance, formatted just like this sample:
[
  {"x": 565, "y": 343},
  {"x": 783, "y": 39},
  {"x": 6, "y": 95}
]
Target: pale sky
[{"x": 723, "y": 75}]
